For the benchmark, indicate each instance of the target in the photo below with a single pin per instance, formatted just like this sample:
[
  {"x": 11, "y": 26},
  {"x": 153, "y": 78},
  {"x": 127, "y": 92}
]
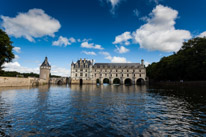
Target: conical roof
[{"x": 45, "y": 63}]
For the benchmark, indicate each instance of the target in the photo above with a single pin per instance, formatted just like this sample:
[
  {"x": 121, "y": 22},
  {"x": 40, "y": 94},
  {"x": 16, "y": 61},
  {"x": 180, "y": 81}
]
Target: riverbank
[{"x": 19, "y": 82}]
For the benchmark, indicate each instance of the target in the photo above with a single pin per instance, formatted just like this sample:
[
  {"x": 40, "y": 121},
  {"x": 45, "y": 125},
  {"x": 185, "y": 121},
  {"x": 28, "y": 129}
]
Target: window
[
  {"x": 76, "y": 75},
  {"x": 134, "y": 75},
  {"x": 86, "y": 70},
  {"x": 76, "y": 70},
  {"x": 127, "y": 75},
  {"x": 127, "y": 70},
  {"x": 85, "y": 75},
  {"x": 81, "y": 74},
  {"x": 116, "y": 70},
  {"x": 116, "y": 75},
  {"x": 122, "y": 75},
  {"x": 140, "y": 70},
  {"x": 139, "y": 75}
]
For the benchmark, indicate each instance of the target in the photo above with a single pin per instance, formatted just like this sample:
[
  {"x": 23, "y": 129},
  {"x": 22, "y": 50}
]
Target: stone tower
[{"x": 45, "y": 70}]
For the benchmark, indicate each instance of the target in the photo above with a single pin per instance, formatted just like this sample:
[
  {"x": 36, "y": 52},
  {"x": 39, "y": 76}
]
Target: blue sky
[{"x": 103, "y": 30}]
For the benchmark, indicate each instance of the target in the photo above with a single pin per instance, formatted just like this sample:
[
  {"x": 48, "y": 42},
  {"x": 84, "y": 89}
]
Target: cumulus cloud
[
  {"x": 121, "y": 49},
  {"x": 203, "y": 34},
  {"x": 114, "y": 59},
  {"x": 15, "y": 66},
  {"x": 63, "y": 41},
  {"x": 91, "y": 45},
  {"x": 17, "y": 49},
  {"x": 89, "y": 52},
  {"x": 123, "y": 38},
  {"x": 159, "y": 32},
  {"x": 33, "y": 24}
]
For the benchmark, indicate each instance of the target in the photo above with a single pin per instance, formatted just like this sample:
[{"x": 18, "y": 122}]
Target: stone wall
[{"x": 16, "y": 81}]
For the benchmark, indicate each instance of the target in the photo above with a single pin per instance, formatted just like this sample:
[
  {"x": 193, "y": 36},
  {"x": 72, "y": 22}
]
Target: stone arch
[
  {"x": 117, "y": 81},
  {"x": 128, "y": 81},
  {"x": 59, "y": 82},
  {"x": 81, "y": 81},
  {"x": 97, "y": 81},
  {"x": 106, "y": 81},
  {"x": 140, "y": 81}
]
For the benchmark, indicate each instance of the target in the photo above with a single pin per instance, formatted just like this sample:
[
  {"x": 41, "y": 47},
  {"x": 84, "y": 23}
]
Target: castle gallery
[{"x": 86, "y": 72}]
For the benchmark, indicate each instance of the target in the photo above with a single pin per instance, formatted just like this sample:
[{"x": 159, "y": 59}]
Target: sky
[{"x": 116, "y": 31}]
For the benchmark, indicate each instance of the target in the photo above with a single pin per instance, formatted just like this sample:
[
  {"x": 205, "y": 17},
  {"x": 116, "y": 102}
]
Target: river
[{"x": 106, "y": 110}]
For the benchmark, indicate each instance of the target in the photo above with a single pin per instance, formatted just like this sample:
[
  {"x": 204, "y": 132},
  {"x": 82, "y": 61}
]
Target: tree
[
  {"x": 189, "y": 63},
  {"x": 6, "y": 47}
]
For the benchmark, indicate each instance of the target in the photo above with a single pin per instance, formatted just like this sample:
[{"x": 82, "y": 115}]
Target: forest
[{"x": 188, "y": 64}]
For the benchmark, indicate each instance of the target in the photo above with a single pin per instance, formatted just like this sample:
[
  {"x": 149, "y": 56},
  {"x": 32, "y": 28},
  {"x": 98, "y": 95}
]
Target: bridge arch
[
  {"x": 116, "y": 81},
  {"x": 140, "y": 81},
  {"x": 81, "y": 81},
  {"x": 128, "y": 81},
  {"x": 106, "y": 81},
  {"x": 59, "y": 82},
  {"x": 97, "y": 81}
]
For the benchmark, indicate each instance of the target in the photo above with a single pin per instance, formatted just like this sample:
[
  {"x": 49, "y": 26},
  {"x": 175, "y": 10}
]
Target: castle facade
[{"x": 86, "y": 72}]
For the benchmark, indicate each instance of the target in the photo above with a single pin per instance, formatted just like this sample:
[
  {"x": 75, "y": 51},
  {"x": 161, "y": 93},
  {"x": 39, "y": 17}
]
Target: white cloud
[
  {"x": 17, "y": 49},
  {"x": 105, "y": 53},
  {"x": 121, "y": 49},
  {"x": 33, "y": 24},
  {"x": 63, "y": 41},
  {"x": 15, "y": 66},
  {"x": 114, "y": 59},
  {"x": 123, "y": 38},
  {"x": 146, "y": 63},
  {"x": 89, "y": 52},
  {"x": 136, "y": 12},
  {"x": 59, "y": 71},
  {"x": 119, "y": 60},
  {"x": 114, "y": 2},
  {"x": 159, "y": 32},
  {"x": 72, "y": 40},
  {"x": 203, "y": 34},
  {"x": 91, "y": 46},
  {"x": 16, "y": 57}
]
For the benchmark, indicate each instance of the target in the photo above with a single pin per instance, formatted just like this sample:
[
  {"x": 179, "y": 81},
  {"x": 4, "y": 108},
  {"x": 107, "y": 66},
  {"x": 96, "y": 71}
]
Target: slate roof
[
  {"x": 45, "y": 63},
  {"x": 117, "y": 65},
  {"x": 84, "y": 62}
]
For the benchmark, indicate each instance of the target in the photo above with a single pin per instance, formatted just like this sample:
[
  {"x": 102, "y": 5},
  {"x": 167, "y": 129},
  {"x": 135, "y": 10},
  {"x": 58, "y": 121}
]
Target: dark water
[{"x": 102, "y": 111}]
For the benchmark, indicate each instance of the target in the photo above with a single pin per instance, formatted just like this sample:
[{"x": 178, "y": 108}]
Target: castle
[{"x": 86, "y": 72}]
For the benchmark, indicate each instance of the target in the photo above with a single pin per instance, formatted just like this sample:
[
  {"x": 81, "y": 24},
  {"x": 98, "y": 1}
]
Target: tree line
[{"x": 188, "y": 64}]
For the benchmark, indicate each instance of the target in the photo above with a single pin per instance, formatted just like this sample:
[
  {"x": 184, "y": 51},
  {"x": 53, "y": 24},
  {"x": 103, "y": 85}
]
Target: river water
[{"x": 92, "y": 110}]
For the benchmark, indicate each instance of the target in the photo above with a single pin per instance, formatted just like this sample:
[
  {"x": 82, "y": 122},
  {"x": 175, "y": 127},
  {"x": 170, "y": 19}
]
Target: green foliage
[
  {"x": 189, "y": 63},
  {"x": 6, "y": 54},
  {"x": 25, "y": 75}
]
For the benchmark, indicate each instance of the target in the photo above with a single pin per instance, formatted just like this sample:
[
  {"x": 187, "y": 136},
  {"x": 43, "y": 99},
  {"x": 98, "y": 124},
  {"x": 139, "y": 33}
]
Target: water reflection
[{"x": 101, "y": 110}]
